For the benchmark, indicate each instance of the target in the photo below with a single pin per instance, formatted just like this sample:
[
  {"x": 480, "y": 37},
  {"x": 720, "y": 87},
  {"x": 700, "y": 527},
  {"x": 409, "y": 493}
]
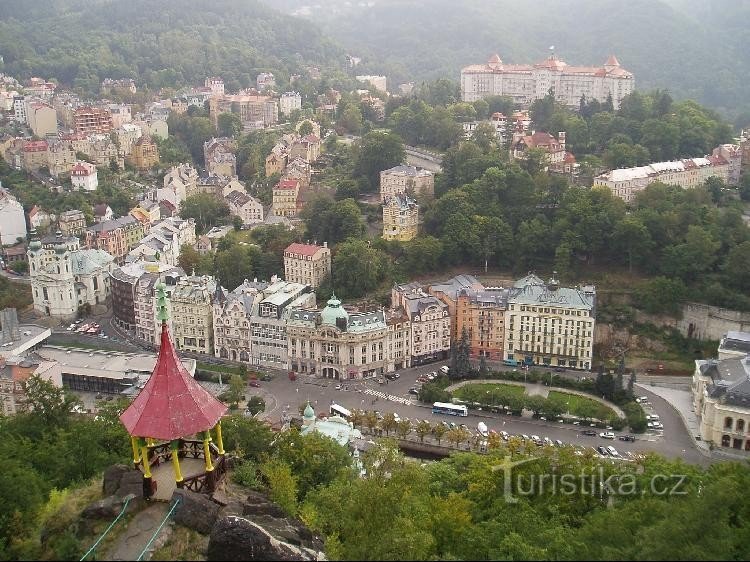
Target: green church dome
[
  {"x": 334, "y": 314},
  {"x": 309, "y": 413}
]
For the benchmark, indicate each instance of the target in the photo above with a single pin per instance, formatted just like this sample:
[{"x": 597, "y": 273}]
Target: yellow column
[
  {"x": 175, "y": 446},
  {"x": 219, "y": 440},
  {"x": 207, "y": 451},
  {"x": 144, "y": 455},
  {"x": 136, "y": 452}
]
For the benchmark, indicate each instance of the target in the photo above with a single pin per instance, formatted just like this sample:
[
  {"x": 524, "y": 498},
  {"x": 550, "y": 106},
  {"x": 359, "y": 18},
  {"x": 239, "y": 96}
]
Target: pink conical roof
[
  {"x": 612, "y": 61},
  {"x": 171, "y": 404}
]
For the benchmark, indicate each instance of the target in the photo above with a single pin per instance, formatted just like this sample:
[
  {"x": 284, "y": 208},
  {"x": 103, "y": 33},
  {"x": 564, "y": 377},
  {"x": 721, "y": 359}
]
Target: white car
[{"x": 607, "y": 435}]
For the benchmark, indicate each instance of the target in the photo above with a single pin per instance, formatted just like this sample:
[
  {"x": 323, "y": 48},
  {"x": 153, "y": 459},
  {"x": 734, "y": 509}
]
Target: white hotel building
[{"x": 528, "y": 82}]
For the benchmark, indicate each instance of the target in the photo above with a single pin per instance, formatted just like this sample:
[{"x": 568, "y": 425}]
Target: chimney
[
  {"x": 325, "y": 244},
  {"x": 561, "y": 139}
]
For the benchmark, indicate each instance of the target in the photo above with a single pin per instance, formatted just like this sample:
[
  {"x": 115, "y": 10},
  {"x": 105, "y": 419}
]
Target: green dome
[
  {"x": 333, "y": 311},
  {"x": 35, "y": 245},
  {"x": 309, "y": 413}
]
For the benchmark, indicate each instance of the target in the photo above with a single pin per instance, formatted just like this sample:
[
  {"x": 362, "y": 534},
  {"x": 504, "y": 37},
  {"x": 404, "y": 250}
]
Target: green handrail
[
  {"x": 122, "y": 511},
  {"x": 158, "y": 529}
]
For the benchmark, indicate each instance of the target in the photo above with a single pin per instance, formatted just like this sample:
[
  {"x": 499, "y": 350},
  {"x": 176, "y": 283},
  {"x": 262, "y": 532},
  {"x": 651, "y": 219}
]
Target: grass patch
[
  {"x": 583, "y": 407},
  {"x": 471, "y": 391},
  {"x": 183, "y": 544},
  {"x": 231, "y": 369}
]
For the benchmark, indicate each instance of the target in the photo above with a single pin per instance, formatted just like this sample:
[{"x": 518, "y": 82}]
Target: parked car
[
  {"x": 504, "y": 435},
  {"x": 607, "y": 435},
  {"x": 626, "y": 438},
  {"x": 525, "y": 437},
  {"x": 613, "y": 451},
  {"x": 558, "y": 443},
  {"x": 414, "y": 391},
  {"x": 602, "y": 450},
  {"x": 254, "y": 383},
  {"x": 589, "y": 432}
]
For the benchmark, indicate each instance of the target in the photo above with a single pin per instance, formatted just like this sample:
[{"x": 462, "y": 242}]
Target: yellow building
[
  {"x": 307, "y": 264},
  {"x": 285, "y": 198},
  {"x": 400, "y": 218},
  {"x": 145, "y": 153}
]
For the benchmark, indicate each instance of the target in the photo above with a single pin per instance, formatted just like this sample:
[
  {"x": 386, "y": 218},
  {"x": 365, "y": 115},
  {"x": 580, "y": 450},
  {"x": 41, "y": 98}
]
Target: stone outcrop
[
  {"x": 121, "y": 480},
  {"x": 108, "y": 508},
  {"x": 195, "y": 511},
  {"x": 235, "y": 538}
]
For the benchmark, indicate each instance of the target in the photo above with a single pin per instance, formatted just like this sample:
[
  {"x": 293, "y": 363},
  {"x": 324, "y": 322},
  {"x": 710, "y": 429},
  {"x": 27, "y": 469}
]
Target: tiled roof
[{"x": 303, "y": 249}]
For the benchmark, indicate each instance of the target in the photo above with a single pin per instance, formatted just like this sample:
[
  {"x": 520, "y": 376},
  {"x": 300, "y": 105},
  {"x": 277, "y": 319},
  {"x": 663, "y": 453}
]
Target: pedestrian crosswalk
[{"x": 389, "y": 397}]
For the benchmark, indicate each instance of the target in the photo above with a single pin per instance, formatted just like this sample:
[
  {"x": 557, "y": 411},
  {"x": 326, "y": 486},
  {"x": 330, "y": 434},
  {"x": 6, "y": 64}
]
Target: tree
[
  {"x": 483, "y": 369},
  {"x": 229, "y": 125},
  {"x": 463, "y": 365},
  {"x": 48, "y": 402},
  {"x": 438, "y": 431},
  {"x": 423, "y": 429},
  {"x": 376, "y": 152},
  {"x": 20, "y": 266},
  {"x": 248, "y": 438},
  {"x": 388, "y": 423},
  {"x": 358, "y": 268},
  {"x": 633, "y": 238},
  {"x": 736, "y": 267},
  {"x": 403, "y": 428},
  {"x": 305, "y": 128},
  {"x": 237, "y": 223},
  {"x": 256, "y": 405},
  {"x": 206, "y": 209},
  {"x": 282, "y": 484},
  {"x": 236, "y": 389}
]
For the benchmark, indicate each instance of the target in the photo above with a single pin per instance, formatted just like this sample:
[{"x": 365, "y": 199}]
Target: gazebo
[{"x": 172, "y": 418}]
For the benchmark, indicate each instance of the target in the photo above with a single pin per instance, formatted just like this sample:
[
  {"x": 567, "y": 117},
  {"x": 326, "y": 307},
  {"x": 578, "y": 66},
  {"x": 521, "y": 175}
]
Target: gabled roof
[
  {"x": 302, "y": 249},
  {"x": 172, "y": 404}
]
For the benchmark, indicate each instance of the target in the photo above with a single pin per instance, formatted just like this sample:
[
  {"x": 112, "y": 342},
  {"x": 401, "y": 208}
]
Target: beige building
[
  {"x": 406, "y": 179},
  {"x": 286, "y": 198},
  {"x": 255, "y": 111},
  {"x": 307, "y": 148},
  {"x": 428, "y": 320},
  {"x": 72, "y": 223},
  {"x": 145, "y": 153},
  {"x": 276, "y": 161},
  {"x": 42, "y": 119},
  {"x": 525, "y": 83},
  {"x": 400, "y": 218},
  {"x": 307, "y": 264},
  {"x": 334, "y": 343},
  {"x": 15, "y": 371},
  {"x": 721, "y": 394},
  {"x": 83, "y": 176},
  {"x": 218, "y": 154},
  {"x": 127, "y": 134},
  {"x": 626, "y": 183},
  {"x": 482, "y": 314},
  {"x": 378, "y": 82},
  {"x": 182, "y": 180},
  {"x": 89, "y": 120},
  {"x": 60, "y": 158},
  {"x": 242, "y": 205},
  {"x": 549, "y": 325},
  {"x": 34, "y": 155},
  {"x": 192, "y": 316}
]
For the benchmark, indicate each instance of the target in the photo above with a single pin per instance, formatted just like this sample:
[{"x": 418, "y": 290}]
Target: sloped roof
[
  {"x": 171, "y": 404},
  {"x": 302, "y": 249}
]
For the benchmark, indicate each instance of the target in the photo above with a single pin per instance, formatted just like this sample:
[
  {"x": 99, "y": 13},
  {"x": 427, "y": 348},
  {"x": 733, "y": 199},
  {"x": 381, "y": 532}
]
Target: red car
[
  {"x": 292, "y": 376},
  {"x": 255, "y": 383}
]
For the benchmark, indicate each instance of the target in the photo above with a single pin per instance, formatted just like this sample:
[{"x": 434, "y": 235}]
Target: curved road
[{"x": 673, "y": 442}]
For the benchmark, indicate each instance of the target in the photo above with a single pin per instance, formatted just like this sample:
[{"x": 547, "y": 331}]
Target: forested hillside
[
  {"x": 81, "y": 42},
  {"x": 693, "y": 48}
]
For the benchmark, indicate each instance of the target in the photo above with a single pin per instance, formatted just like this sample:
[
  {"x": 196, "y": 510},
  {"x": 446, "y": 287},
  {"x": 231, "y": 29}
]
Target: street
[{"x": 672, "y": 442}]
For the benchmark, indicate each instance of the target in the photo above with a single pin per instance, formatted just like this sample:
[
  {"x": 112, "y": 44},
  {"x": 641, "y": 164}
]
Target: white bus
[
  {"x": 337, "y": 410},
  {"x": 450, "y": 409}
]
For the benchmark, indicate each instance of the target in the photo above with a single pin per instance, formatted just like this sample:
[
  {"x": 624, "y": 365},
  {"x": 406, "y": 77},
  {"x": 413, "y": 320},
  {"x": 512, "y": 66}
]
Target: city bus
[
  {"x": 450, "y": 409},
  {"x": 337, "y": 410}
]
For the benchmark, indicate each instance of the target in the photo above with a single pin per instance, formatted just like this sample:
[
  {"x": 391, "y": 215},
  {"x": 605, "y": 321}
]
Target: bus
[
  {"x": 450, "y": 409},
  {"x": 337, "y": 410}
]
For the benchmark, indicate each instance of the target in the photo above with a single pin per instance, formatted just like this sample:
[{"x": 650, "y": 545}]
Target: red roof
[
  {"x": 172, "y": 404},
  {"x": 35, "y": 146},
  {"x": 304, "y": 249},
  {"x": 287, "y": 184}
]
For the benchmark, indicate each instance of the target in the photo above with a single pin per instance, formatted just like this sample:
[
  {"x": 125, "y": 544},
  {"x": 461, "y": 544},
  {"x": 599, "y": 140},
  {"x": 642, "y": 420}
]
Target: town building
[
  {"x": 276, "y": 161},
  {"x": 72, "y": 223},
  {"x": 289, "y": 102},
  {"x": 192, "y": 315},
  {"x": 123, "y": 283},
  {"x": 89, "y": 120},
  {"x": 721, "y": 395},
  {"x": 19, "y": 109},
  {"x": 380, "y": 83},
  {"x": 61, "y": 157},
  {"x": 12, "y": 219},
  {"x": 147, "y": 328},
  {"x": 15, "y": 371},
  {"x": 242, "y": 205},
  {"x": 481, "y": 314},
  {"x": 42, "y": 119},
  {"x": 116, "y": 237},
  {"x": 84, "y": 177},
  {"x": 103, "y": 212},
  {"x": 250, "y": 322},
  {"x": 400, "y": 218},
  {"x": 338, "y": 344},
  {"x": 34, "y": 155},
  {"x": 626, "y": 183},
  {"x": 127, "y": 134},
  {"x": 64, "y": 278},
  {"x": 218, "y": 154},
  {"x": 265, "y": 80},
  {"x": 102, "y": 151},
  {"x": 145, "y": 153},
  {"x": 121, "y": 114},
  {"x": 525, "y": 83},
  {"x": 732, "y": 153},
  {"x": 182, "y": 180},
  {"x": 39, "y": 218},
  {"x": 406, "y": 179},
  {"x": 550, "y": 325},
  {"x": 147, "y": 211},
  {"x": 307, "y": 148},
  {"x": 449, "y": 291},
  {"x": 164, "y": 241},
  {"x": 286, "y": 198},
  {"x": 122, "y": 85},
  {"x": 216, "y": 85},
  {"x": 553, "y": 148},
  {"x": 255, "y": 111},
  {"x": 307, "y": 264},
  {"x": 298, "y": 170},
  {"x": 428, "y": 320}
]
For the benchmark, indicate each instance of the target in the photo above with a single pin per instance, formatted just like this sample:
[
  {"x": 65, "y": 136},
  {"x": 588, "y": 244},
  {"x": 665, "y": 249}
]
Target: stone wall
[{"x": 706, "y": 322}]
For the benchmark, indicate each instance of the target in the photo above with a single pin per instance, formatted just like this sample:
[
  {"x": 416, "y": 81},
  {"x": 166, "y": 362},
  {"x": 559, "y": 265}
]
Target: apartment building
[
  {"x": 145, "y": 153},
  {"x": 550, "y": 325},
  {"x": 242, "y": 205},
  {"x": 307, "y": 264},
  {"x": 481, "y": 313},
  {"x": 286, "y": 198},
  {"x": 12, "y": 219},
  {"x": 192, "y": 315},
  {"x": 406, "y": 179},
  {"x": 400, "y": 218},
  {"x": 116, "y": 237},
  {"x": 72, "y": 223},
  {"x": 428, "y": 320},
  {"x": 84, "y": 176},
  {"x": 89, "y": 120},
  {"x": 289, "y": 102},
  {"x": 42, "y": 119}
]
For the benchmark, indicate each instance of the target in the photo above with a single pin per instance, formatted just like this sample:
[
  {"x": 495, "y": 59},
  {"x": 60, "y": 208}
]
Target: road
[{"x": 674, "y": 442}]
